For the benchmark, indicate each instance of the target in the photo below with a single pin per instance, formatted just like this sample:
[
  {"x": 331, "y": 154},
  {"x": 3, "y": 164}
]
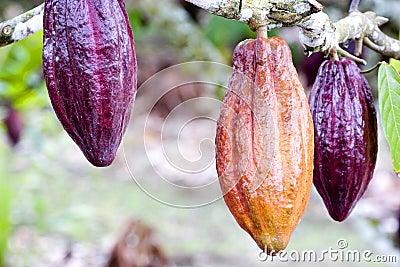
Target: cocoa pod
[
  {"x": 14, "y": 125},
  {"x": 89, "y": 65},
  {"x": 264, "y": 143},
  {"x": 346, "y": 144},
  {"x": 398, "y": 229}
]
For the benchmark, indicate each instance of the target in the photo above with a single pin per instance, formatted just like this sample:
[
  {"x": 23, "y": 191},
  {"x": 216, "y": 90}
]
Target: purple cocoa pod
[
  {"x": 89, "y": 65},
  {"x": 14, "y": 125},
  {"x": 345, "y": 128}
]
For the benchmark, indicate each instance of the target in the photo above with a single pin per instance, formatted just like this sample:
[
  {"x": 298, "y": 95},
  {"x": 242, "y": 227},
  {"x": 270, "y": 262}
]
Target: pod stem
[
  {"x": 262, "y": 31},
  {"x": 344, "y": 53},
  {"x": 373, "y": 68},
  {"x": 334, "y": 55}
]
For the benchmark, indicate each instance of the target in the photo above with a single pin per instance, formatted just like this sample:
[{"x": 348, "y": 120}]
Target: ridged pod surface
[
  {"x": 89, "y": 65},
  {"x": 344, "y": 115},
  {"x": 264, "y": 143}
]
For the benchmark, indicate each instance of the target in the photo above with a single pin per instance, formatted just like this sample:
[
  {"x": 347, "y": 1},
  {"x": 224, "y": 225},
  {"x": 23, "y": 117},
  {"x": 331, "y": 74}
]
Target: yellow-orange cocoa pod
[{"x": 265, "y": 143}]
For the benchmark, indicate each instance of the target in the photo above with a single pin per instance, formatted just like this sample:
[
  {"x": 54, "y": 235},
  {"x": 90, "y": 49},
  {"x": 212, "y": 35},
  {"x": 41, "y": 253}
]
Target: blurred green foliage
[
  {"x": 6, "y": 192},
  {"x": 21, "y": 86},
  {"x": 138, "y": 22},
  {"x": 226, "y": 34},
  {"x": 21, "y": 80}
]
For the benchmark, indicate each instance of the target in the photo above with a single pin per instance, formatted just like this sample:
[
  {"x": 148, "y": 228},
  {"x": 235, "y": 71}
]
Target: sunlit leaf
[
  {"x": 389, "y": 104},
  {"x": 395, "y": 63}
]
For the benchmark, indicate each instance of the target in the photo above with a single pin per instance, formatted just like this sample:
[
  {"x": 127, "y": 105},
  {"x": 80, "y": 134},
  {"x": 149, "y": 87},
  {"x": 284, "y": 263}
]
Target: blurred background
[{"x": 159, "y": 204}]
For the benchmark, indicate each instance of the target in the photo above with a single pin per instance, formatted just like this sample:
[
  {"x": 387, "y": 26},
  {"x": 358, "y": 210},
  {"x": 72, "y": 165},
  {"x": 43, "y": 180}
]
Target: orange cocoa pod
[{"x": 265, "y": 143}]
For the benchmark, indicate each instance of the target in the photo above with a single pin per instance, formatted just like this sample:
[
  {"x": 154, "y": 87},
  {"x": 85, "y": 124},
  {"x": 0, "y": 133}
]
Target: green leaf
[
  {"x": 395, "y": 63},
  {"x": 389, "y": 104}
]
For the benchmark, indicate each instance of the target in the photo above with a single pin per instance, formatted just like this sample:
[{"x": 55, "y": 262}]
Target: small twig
[
  {"x": 358, "y": 47},
  {"x": 373, "y": 46},
  {"x": 381, "y": 20},
  {"x": 354, "y": 5},
  {"x": 344, "y": 53},
  {"x": 373, "y": 68}
]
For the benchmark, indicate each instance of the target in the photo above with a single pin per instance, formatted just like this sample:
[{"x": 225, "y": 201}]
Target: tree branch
[
  {"x": 354, "y": 5},
  {"x": 384, "y": 44},
  {"x": 317, "y": 32},
  {"x": 20, "y": 27},
  {"x": 257, "y": 13}
]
